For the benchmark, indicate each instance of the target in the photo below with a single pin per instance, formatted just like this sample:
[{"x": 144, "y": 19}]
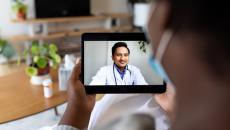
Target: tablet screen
[{"x": 118, "y": 63}]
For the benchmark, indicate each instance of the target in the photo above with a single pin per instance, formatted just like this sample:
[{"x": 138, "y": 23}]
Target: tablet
[{"x": 118, "y": 63}]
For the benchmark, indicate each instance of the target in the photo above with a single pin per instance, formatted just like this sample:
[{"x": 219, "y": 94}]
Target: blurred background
[{"x": 40, "y": 41}]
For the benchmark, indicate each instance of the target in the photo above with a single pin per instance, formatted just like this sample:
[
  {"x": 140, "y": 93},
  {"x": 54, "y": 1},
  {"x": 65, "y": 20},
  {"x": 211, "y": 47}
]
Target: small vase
[
  {"x": 43, "y": 73},
  {"x": 38, "y": 80},
  {"x": 21, "y": 15}
]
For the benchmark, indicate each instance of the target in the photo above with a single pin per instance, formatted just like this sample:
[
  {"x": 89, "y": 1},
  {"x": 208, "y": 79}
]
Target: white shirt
[
  {"x": 109, "y": 75},
  {"x": 64, "y": 127},
  {"x": 113, "y": 106}
]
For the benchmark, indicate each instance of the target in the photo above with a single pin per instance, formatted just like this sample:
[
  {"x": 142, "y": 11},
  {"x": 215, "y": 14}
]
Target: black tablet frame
[{"x": 90, "y": 89}]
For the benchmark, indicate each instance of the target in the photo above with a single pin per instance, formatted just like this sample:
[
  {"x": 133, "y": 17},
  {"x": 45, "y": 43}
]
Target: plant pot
[
  {"x": 141, "y": 13},
  {"x": 21, "y": 15},
  {"x": 38, "y": 80},
  {"x": 43, "y": 73}
]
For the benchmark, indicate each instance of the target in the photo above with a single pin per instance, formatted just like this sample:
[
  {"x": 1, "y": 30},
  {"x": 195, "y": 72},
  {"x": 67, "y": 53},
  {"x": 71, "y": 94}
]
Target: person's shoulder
[
  {"x": 106, "y": 67},
  {"x": 132, "y": 67}
]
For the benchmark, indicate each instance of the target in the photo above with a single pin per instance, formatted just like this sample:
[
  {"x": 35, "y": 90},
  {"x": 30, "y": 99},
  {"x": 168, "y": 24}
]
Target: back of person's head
[
  {"x": 210, "y": 20},
  {"x": 119, "y": 44},
  {"x": 131, "y": 122}
]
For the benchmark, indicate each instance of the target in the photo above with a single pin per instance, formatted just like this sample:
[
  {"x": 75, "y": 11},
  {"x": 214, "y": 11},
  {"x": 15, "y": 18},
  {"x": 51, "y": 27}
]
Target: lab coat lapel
[
  {"x": 127, "y": 77},
  {"x": 118, "y": 77}
]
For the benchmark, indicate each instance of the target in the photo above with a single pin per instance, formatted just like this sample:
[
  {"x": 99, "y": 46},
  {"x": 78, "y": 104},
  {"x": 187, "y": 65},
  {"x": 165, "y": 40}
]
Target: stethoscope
[{"x": 115, "y": 79}]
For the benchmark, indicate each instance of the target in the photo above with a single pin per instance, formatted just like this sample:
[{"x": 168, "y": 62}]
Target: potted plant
[
  {"x": 142, "y": 45},
  {"x": 20, "y": 9},
  {"x": 42, "y": 58},
  {"x": 6, "y": 51},
  {"x": 140, "y": 9}
]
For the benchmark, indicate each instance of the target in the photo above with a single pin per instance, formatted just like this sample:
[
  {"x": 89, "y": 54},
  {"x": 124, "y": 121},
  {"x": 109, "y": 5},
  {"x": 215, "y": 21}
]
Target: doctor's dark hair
[{"x": 119, "y": 44}]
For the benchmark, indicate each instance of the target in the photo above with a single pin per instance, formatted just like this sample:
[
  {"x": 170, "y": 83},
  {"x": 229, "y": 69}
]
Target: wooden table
[{"x": 19, "y": 98}]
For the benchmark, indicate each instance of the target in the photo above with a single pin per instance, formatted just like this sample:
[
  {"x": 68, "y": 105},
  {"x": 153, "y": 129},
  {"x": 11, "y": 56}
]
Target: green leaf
[
  {"x": 8, "y": 51},
  {"x": 52, "y": 53},
  {"x": 53, "y": 47},
  {"x": 2, "y": 42},
  {"x": 34, "y": 50},
  {"x": 35, "y": 43},
  {"x": 35, "y": 59},
  {"x": 142, "y": 46},
  {"x": 55, "y": 65},
  {"x": 2, "y": 45},
  {"x": 31, "y": 71},
  {"x": 25, "y": 53},
  {"x": 41, "y": 62},
  {"x": 57, "y": 59},
  {"x": 43, "y": 50},
  {"x": 19, "y": 6},
  {"x": 46, "y": 45}
]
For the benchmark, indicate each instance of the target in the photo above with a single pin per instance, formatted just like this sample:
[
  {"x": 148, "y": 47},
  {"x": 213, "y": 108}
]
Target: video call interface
[{"x": 118, "y": 63}]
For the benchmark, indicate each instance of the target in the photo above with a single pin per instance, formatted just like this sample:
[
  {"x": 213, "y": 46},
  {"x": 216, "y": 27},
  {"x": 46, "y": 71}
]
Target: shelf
[
  {"x": 72, "y": 19},
  {"x": 55, "y": 20},
  {"x": 62, "y": 32},
  {"x": 118, "y": 15},
  {"x": 21, "y": 38},
  {"x": 72, "y": 48},
  {"x": 113, "y": 29}
]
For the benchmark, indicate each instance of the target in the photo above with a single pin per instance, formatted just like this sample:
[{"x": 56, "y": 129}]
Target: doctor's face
[{"x": 121, "y": 57}]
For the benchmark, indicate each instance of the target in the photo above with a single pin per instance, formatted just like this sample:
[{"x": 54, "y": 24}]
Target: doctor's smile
[{"x": 121, "y": 57}]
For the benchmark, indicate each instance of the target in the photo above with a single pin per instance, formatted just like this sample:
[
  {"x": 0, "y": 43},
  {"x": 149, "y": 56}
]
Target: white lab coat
[
  {"x": 113, "y": 106},
  {"x": 106, "y": 76}
]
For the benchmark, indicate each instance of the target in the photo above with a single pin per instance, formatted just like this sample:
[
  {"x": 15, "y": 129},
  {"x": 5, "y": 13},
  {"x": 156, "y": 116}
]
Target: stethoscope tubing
[{"x": 115, "y": 79}]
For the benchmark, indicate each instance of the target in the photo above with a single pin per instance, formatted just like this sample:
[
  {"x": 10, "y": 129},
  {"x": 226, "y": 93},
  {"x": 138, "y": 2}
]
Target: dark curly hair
[{"x": 119, "y": 44}]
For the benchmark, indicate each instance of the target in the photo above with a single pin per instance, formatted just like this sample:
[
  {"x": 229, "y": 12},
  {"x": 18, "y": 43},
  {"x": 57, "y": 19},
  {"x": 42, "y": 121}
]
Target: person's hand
[
  {"x": 76, "y": 92},
  {"x": 167, "y": 100},
  {"x": 80, "y": 105}
]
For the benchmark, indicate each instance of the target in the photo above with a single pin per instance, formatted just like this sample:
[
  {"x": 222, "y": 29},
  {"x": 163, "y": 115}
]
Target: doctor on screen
[{"x": 120, "y": 72}]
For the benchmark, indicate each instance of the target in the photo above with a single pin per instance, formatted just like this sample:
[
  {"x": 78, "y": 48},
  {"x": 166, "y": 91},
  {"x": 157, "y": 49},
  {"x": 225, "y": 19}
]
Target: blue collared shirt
[{"x": 122, "y": 73}]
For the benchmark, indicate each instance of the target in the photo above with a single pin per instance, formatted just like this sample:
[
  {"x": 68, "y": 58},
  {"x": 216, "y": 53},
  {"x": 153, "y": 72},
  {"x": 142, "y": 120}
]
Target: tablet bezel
[{"x": 90, "y": 89}]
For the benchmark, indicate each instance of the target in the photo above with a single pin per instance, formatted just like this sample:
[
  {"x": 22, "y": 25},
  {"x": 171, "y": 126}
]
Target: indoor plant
[
  {"x": 142, "y": 45},
  {"x": 41, "y": 57},
  {"x": 20, "y": 9},
  {"x": 6, "y": 51}
]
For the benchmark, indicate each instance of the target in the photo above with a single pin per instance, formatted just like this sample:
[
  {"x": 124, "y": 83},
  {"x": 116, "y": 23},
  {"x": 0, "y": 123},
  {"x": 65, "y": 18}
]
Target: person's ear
[
  {"x": 158, "y": 20},
  {"x": 112, "y": 57}
]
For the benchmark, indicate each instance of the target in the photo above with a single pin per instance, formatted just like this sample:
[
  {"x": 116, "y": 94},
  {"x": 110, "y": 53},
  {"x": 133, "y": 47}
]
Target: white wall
[
  {"x": 97, "y": 6},
  {"x": 95, "y": 54},
  {"x": 6, "y": 26},
  {"x": 109, "y": 6},
  {"x": 98, "y": 54}
]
